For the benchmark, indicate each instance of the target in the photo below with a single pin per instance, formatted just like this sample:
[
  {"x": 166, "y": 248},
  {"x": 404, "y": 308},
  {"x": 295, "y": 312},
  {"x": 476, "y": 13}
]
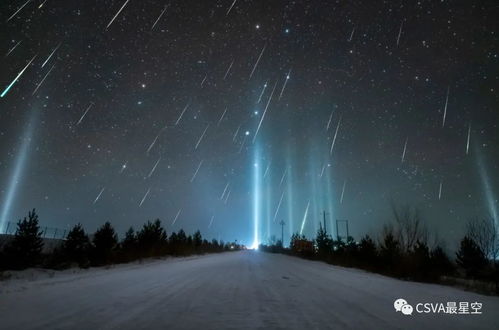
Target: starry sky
[{"x": 231, "y": 116}]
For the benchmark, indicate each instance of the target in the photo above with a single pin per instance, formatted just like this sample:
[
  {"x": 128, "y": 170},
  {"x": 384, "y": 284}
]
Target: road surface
[{"x": 235, "y": 290}]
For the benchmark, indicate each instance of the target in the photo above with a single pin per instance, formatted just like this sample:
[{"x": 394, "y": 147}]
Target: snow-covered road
[{"x": 239, "y": 290}]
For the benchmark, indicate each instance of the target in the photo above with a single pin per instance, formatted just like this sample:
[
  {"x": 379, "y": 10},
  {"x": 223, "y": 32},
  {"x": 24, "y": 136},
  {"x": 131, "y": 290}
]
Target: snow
[{"x": 234, "y": 290}]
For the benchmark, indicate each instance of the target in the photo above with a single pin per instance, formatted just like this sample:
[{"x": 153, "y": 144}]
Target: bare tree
[
  {"x": 409, "y": 227},
  {"x": 484, "y": 232}
]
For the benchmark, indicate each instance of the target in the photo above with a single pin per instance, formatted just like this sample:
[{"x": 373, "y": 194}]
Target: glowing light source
[
  {"x": 256, "y": 201},
  {"x": 20, "y": 162}
]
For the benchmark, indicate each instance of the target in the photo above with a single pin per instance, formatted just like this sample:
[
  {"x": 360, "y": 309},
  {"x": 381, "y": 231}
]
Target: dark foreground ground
[{"x": 239, "y": 290}]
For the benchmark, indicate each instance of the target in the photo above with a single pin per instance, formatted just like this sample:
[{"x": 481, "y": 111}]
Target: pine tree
[
  {"x": 198, "y": 240},
  {"x": 105, "y": 242},
  {"x": 152, "y": 239},
  {"x": 323, "y": 242},
  {"x": 76, "y": 246},
  {"x": 471, "y": 258},
  {"x": 26, "y": 247}
]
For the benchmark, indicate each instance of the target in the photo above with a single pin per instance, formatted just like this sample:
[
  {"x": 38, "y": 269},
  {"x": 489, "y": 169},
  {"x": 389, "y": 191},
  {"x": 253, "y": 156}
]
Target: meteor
[
  {"x": 182, "y": 113},
  {"x": 266, "y": 170},
  {"x": 197, "y": 170},
  {"x": 211, "y": 221},
  {"x": 445, "y": 107},
  {"x": 335, "y": 135},
  {"x": 329, "y": 121},
  {"x": 225, "y": 189},
  {"x": 400, "y": 33},
  {"x": 144, "y": 198},
  {"x": 176, "y": 217},
  {"x": 228, "y": 70},
  {"x": 222, "y": 117},
  {"x": 278, "y": 206},
  {"x": 405, "y": 148},
  {"x": 440, "y": 190},
  {"x": 155, "y": 139},
  {"x": 468, "y": 139},
  {"x": 283, "y": 176},
  {"x": 41, "y": 82},
  {"x": 119, "y": 11},
  {"x": 257, "y": 61},
  {"x": 6, "y": 90},
  {"x": 154, "y": 167},
  {"x": 84, "y": 114},
  {"x": 41, "y": 5},
  {"x": 235, "y": 134},
  {"x": 17, "y": 11},
  {"x": 285, "y": 83},
  {"x": 263, "y": 91},
  {"x": 159, "y": 17},
  {"x": 351, "y": 34},
  {"x": 227, "y": 196},
  {"x": 264, "y": 112},
  {"x": 228, "y": 11},
  {"x": 48, "y": 58},
  {"x": 204, "y": 79},
  {"x": 304, "y": 218},
  {"x": 12, "y": 49},
  {"x": 202, "y": 136},
  {"x": 98, "y": 196},
  {"x": 343, "y": 191}
]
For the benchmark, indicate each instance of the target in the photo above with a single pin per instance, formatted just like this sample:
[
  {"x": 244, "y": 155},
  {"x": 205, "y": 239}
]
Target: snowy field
[{"x": 240, "y": 290}]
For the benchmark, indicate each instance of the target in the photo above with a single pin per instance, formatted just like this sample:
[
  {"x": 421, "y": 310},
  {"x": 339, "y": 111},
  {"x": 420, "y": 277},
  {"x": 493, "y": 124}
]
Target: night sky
[{"x": 216, "y": 115}]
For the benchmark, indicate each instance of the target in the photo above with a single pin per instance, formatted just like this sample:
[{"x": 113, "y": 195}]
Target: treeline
[
  {"x": 25, "y": 248},
  {"x": 403, "y": 251}
]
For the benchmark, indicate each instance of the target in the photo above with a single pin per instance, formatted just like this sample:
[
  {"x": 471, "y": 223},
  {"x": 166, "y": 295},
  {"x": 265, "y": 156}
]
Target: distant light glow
[
  {"x": 256, "y": 201},
  {"x": 20, "y": 163}
]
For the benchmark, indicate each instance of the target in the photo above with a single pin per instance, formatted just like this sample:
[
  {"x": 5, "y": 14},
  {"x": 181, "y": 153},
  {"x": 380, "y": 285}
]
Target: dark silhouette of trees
[
  {"x": 368, "y": 252},
  {"x": 26, "y": 247},
  {"x": 324, "y": 243},
  {"x": 471, "y": 258},
  {"x": 152, "y": 239},
  {"x": 105, "y": 242},
  {"x": 76, "y": 247}
]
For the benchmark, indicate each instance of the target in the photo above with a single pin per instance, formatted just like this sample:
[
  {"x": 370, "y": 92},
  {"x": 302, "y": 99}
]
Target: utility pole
[{"x": 282, "y": 223}]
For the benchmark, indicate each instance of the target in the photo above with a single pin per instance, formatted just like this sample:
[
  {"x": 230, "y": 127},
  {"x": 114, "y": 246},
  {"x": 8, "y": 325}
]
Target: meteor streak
[
  {"x": 304, "y": 218},
  {"x": 144, "y": 198},
  {"x": 405, "y": 148},
  {"x": 335, "y": 135},
  {"x": 12, "y": 49},
  {"x": 263, "y": 91},
  {"x": 343, "y": 191},
  {"x": 201, "y": 138},
  {"x": 468, "y": 139},
  {"x": 222, "y": 117},
  {"x": 264, "y": 112},
  {"x": 182, "y": 113},
  {"x": 53, "y": 52},
  {"x": 228, "y": 11},
  {"x": 17, "y": 11},
  {"x": 228, "y": 70},
  {"x": 41, "y": 82},
  {"x": 400, "y": 32},
  {"x": 278, "y": 206},
  {"x": 257, "y": 61},
  {"x": 225, "y": 189},
  {"x": 98, "y": 196},
  {"x": 155, "y": 139},
  {"x": 351, "y": 34},
  {"x": 154, "y": 167},
  {"x": 119, "y": 11},
  {"x": 329, "y": 121},
  {"x": 84, "y": 114},
  {"x": 197, "y": 170},
  {"x": 445, "y": 107},
  {"x": 176, "y": 217},
  {"x": 285, "y": 83},
  {"x": 159, "y": 17},
  {"x": 16, "y": 78},
  {"x": 440, "y": 190},
  {"x": 211, "y": 221}
]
